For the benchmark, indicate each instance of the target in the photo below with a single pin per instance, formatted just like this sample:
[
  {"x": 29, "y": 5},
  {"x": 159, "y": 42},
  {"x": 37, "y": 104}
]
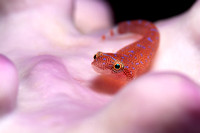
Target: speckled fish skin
[{"x": 133, "y": 59}]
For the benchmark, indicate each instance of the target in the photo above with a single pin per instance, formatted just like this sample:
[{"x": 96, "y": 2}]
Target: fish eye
[
  {"x": 117, "y": 66},
  {"x": 95, "y": 56},
  {"x": 98, "y": 54}
]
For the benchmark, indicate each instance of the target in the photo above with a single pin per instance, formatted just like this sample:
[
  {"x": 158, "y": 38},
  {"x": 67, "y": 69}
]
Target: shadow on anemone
[{"x": 104, "y": 84}]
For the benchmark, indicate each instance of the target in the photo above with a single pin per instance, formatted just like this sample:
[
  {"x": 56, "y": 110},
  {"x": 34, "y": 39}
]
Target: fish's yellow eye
[{"x": 117, "y": 66}]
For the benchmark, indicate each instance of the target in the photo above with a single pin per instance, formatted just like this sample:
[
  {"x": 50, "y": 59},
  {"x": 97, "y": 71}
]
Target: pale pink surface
[{"x": 50, "y": 62}]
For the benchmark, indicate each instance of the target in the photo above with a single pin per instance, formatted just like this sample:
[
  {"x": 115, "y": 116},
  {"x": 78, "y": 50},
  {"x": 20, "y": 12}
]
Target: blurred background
[{"x": 147, "y": 9}]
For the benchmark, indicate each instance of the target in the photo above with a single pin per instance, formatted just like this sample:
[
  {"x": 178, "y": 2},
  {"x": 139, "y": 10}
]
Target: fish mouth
[{"x": 100, "y": 70}]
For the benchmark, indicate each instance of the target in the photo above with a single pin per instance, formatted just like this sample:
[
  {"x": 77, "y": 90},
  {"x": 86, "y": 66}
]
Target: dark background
[{"x": 148, "y": 10}]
